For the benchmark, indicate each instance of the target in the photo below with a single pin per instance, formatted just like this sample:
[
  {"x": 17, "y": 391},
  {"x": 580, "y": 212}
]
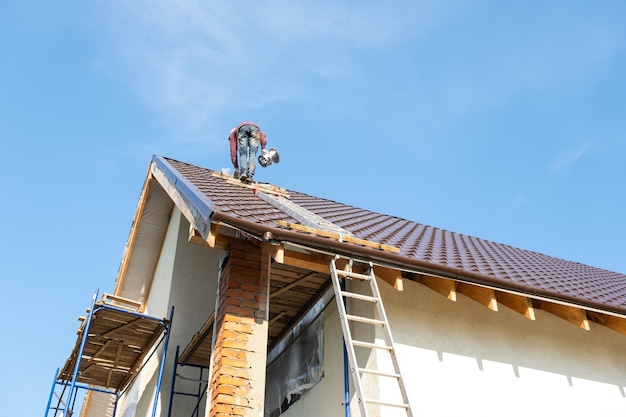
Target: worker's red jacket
[{"x": 233, "y": 141}]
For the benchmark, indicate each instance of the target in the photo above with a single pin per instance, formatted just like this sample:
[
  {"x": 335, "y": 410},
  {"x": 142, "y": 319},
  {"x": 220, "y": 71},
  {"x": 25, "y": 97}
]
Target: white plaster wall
[
  {"x": 460, "y": 358},
  {"x": 185, "y": 278}
]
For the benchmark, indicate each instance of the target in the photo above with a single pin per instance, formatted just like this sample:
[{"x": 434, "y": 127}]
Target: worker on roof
[{"x": 244, "y": 142}]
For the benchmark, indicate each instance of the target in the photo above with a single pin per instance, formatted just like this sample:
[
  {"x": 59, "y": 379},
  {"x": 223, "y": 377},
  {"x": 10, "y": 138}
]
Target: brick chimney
[{"x": 237, "y": 385}]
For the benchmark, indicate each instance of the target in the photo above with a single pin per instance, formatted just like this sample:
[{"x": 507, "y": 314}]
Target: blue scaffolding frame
[
  {"x": 69, "y": 381},
  {"x": 201, "y": 390}
]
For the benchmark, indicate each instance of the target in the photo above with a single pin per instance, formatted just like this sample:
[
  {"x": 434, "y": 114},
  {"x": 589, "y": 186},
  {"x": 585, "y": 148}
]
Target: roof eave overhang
[{"x": 400, "y": 262}]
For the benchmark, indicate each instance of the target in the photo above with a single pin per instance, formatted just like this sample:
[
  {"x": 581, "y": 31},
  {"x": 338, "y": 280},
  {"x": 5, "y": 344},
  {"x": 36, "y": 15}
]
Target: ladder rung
[
  {"x": 379, "y": 373},
  {"x": 364, "y": 319},
  {"x": 371, "y": 345},
  {"x": 359, "y": 296},
  {"x": 349, "y": 274},
  {"x": 373, "y": 401}
]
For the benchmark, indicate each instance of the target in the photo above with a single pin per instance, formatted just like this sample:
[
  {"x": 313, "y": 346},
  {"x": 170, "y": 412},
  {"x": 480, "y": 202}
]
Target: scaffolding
[
  {"x": 114, "y": 342},
  {"x": 196, "y": 356}
]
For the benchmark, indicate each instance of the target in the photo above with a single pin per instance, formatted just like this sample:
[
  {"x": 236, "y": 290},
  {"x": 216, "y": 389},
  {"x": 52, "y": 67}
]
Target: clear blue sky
[{"x": 501, "y": 120}]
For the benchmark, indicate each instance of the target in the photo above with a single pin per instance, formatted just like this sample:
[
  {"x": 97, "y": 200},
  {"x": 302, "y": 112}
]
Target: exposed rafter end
[
  {"x": 212, "y": 240},
  {"x": 573, "y": 315},
  {"x": 612, "y": 322},
  {"x": 391, "y": 276},
  {"x": 277, "y": 252},
  {"x": 483, "y": 295},
  {"x": 317, "y": 262},
  {"x": 517, "y": 303},
  {"x": 443, "y": 286}
]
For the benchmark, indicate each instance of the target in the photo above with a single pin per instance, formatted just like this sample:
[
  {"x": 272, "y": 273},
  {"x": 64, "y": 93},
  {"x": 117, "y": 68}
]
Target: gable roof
[{"x": 213, "y": 197}]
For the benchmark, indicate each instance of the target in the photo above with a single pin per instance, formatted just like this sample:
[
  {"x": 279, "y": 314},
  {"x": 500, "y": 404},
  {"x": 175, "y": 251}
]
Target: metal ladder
[{"x": 341, "y": 295}]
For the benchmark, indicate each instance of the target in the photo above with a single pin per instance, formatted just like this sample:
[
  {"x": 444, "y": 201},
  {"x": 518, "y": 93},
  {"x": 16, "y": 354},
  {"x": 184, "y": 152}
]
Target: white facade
[{"x": 460, "y": 358}]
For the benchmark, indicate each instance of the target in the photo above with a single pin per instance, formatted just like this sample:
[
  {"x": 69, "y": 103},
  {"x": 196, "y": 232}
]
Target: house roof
[{"x": 216, "y": 197}]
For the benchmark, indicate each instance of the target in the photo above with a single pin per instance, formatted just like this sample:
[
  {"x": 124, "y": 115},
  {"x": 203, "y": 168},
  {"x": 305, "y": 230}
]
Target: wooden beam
[
  {"x": 122, "y": 327},
  {"x": 338, "y": 236},
  {"x": 317, "y": 263},
  {"x": 391, "y": 276},
  {"x": 616, "y": 323},
  {"x": 443, "y": 286},
  {"x": 517, "y": 303},
  {"x": 293, "y": 284},
  {"x": 483, "y": 295},
  {"x": 215, "y": 240},
  {"x": 277, "y": 252},
  {"x": 573, "y": 315},
  {"x": 276, "y": 317},
  {"x": 213, "y": 233}
]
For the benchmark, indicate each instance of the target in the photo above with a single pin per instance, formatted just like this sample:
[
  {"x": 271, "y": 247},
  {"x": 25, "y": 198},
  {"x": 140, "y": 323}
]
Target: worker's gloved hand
[
  {"x": 264, "y": 151},
  {"x": 236, "y": 174}
]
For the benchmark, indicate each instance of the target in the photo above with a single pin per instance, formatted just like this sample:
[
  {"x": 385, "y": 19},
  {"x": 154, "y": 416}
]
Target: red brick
[
  {"x": 240, "y": 311},
  {"x": 235, "y": 344},
  {"x": 230, "y": 380},
  {"x": 235, "y": 363}
]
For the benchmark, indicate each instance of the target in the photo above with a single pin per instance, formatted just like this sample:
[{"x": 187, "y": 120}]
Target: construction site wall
[
  {"x": 185, "y": 278},
  {"x": 461, "y": 358}
]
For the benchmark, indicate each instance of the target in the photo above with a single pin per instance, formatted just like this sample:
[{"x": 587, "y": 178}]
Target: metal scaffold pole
[
  {"x": 162, "y": 364},
  {"x": 80, "y": 354}
]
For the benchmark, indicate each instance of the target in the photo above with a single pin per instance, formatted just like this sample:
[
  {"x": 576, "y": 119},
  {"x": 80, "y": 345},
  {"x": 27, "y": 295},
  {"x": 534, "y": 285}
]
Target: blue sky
[{"x": 501, "y": 120}]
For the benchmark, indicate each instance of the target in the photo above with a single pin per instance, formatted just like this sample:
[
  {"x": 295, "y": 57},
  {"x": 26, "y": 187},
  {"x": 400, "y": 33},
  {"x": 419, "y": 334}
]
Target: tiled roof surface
[{"x": 497, "y": 262}]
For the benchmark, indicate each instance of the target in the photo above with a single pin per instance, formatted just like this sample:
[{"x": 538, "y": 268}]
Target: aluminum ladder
[{"x": 341, "y": 295}]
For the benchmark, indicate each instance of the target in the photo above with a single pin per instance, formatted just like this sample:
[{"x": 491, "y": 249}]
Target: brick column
[{"x": 237, "y": 385}]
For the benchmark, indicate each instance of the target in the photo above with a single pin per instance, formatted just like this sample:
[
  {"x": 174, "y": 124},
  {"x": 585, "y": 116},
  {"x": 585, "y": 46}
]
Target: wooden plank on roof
[
  {"x": 269, "y": 188},
  {"x": 338, "y": 236}
]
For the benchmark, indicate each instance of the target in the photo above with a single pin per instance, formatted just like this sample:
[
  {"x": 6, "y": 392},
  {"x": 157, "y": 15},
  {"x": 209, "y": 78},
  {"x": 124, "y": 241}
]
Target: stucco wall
[
  {"x": 186, "y": 278},
  {"x": 460, "y": 358}
]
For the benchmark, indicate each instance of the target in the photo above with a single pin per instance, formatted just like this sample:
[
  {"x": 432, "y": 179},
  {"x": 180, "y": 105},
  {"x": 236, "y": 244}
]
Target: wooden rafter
[
  {"x": 483, "y": 295},
  {"x": 390, "y": 276},
  {"x": 443, "y": 286},
  {"x": 293, "y": 284},
  {"x": 317, "y": 263},
  {"x": 571, "y": 314},
  {"x": 277, "y": 317},
  {"x": 612, "y": 322},
  {"x": 517, "y": 303}
]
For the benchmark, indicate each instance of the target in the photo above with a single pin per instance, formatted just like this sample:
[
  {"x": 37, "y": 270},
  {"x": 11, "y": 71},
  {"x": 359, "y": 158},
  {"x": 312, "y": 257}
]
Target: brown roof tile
[{"x": 509, "y": 266}]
